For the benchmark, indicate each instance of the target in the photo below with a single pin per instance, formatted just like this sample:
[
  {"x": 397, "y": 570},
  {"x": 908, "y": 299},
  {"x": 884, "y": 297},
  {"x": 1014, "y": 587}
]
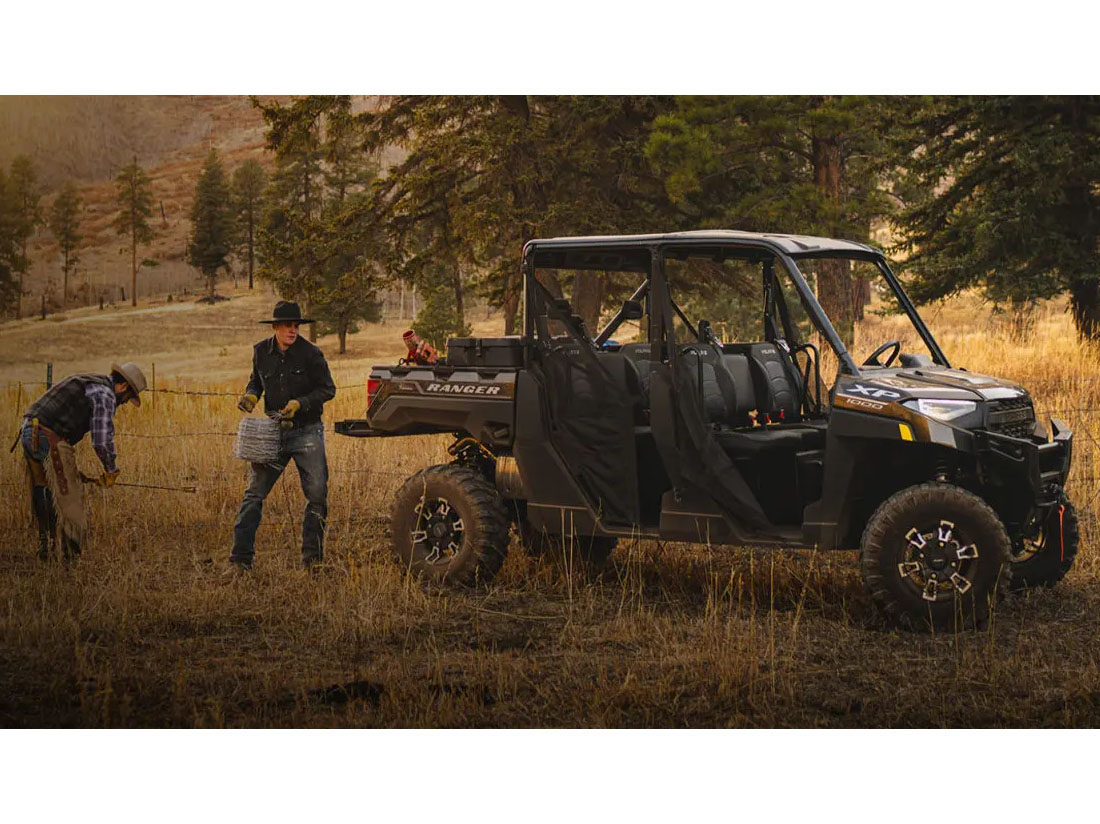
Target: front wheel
[
  {"x": 1044, "y": 560},
  {"x": 934, "y": 556},
  {"x": 448, "y": 525}
]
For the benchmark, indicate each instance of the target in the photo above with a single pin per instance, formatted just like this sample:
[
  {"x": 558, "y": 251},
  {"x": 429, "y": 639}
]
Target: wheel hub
[
  {"x": 439, "y": 530},
  {"x": 937, "y": 561}
]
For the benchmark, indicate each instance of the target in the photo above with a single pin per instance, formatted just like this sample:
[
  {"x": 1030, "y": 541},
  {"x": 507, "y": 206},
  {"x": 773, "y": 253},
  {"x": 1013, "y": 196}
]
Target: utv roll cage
[{"x": 645, "y": 254}]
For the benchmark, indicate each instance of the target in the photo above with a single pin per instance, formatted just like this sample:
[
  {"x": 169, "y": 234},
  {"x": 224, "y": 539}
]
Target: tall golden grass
[{"x": 145, "y": 630}]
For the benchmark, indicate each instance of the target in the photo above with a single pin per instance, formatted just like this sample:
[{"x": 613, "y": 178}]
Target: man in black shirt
[{"x": 291, "y": 375}]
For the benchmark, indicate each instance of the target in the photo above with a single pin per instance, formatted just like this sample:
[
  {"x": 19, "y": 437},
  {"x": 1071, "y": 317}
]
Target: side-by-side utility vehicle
[{"x": 719, "y": 430}]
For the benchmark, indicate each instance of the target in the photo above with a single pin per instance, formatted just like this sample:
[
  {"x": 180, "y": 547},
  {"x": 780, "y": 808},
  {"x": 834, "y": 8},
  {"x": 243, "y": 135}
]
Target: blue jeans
[
  {"x": 307, "y": 447},
  {"x": 43, "y": 450}
]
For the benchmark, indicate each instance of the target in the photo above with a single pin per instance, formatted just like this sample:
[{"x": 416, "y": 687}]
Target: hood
[{"x": 931, "y": 382}]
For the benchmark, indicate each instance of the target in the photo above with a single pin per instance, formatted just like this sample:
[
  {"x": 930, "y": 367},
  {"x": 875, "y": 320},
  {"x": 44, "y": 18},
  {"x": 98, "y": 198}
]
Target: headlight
[{"x": 942, "y": 409}]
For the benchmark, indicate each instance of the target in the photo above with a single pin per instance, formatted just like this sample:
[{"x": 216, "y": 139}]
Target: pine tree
[
  {"x": 248, "y": 187},
  {"x": 483, "y": 175},
  {"x": 23, "y": 190},
  {"x": 10, "y": 293},
  {"x": 804, "y": 165},
  {"x": 211, "y": 224},
  {"x": 438, "y": 319},
  {"x": 134, "y": 196},
  {"x": 1002, "y": 195},
  {"x": 288, "y": 242},
  {"x": 310, "y": 249},
  {"x": 65, "y": 225}
]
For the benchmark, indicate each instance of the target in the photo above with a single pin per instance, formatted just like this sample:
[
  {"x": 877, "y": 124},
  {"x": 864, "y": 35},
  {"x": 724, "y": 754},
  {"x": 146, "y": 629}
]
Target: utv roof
[{"x": 792, "y": 245}]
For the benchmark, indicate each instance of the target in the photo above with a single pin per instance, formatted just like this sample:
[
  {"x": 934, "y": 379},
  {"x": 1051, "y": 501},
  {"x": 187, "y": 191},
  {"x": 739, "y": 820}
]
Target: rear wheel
[
  {"x": 448, "y": 525},
  {"x": 1044, "y": 560},
  {"x": 934, "y": 556}
]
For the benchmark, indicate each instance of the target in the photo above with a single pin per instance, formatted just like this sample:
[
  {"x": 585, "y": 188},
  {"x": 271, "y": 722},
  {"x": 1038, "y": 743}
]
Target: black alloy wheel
[
  {"x": 448, "y": 525},
  {"x": 934, "y": 556}
]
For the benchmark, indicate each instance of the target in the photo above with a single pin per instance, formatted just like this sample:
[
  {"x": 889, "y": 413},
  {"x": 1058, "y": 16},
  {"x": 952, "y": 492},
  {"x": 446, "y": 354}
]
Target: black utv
[{"x": 718, "y": 429}]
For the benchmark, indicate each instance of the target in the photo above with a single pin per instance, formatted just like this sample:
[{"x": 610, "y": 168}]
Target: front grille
[{"x": 1014, "y": 417}]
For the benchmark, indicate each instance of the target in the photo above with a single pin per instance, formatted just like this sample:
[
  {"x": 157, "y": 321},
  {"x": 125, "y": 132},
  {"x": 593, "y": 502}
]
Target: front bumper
[{"x": 1044, "y": 467}]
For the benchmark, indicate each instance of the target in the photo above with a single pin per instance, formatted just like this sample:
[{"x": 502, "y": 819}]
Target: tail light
[{"x": 372, "y": 389}]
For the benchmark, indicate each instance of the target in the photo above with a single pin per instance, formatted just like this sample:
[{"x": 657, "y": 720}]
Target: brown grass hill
[{"x": 87, "y": 140}]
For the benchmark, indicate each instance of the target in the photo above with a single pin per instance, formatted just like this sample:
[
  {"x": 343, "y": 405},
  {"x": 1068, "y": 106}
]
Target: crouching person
[
  {"x": 291, "y": 375},
  {"x": 51, "y": 427}
]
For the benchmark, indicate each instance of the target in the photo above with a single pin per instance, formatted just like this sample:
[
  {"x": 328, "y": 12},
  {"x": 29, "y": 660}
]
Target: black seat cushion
[
  {"x": 640, "y": 354},
  {"x": 799, "y": 437},
  {"x": 751, "y": 442},
  {"x": 776, "y": 382},
  {"x": 717, "y": 392}
]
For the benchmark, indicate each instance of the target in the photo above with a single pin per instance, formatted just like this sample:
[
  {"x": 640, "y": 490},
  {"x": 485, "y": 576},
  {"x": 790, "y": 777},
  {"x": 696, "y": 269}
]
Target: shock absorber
[{"x": 942, "y": 472}]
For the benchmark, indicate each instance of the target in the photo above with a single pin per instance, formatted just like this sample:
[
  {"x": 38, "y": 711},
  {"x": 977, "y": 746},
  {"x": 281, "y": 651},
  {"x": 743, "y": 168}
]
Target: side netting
[{"x": 591, "y": 399}]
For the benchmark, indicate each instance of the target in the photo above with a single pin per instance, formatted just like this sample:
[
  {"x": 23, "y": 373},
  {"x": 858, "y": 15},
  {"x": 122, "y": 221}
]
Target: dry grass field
[{"x": 145, "y": 630}]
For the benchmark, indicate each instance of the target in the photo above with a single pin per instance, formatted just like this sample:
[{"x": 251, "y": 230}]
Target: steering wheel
[{"x": 872, "y": 359}]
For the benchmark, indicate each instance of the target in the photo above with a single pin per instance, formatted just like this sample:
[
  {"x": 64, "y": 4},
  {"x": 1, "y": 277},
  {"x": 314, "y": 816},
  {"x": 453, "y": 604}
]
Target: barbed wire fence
[{"x": 1081, "y": 420}]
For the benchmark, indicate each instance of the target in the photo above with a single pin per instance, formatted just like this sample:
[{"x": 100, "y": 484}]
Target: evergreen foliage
[
  {"x": 65, "y": 225},
  {"x": 998, "y": 193},
  {"x": 10, "y": 291},
  {"x": 249, "y": 181},
  {"x": 311, "y": 249},
  {"x": 483, "y": 175},
  {"x": 793, "y": 164},
  {"x": 1002, "y": 194},
  {"x": 27, "y": 215},
  {"x": 134, "y": 197},
  {"x": 438, "y": 318},
  {"x": 212, "y": 227}
]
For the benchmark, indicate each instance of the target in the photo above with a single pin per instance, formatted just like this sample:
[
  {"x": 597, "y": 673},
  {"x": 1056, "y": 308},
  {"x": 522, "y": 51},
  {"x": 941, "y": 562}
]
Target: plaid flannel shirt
[{"x": 103, "y": 401}]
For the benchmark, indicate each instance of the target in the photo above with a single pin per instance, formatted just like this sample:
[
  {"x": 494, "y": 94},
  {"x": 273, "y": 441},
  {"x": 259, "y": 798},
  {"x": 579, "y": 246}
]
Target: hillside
[{"x": 87, "y": 140}]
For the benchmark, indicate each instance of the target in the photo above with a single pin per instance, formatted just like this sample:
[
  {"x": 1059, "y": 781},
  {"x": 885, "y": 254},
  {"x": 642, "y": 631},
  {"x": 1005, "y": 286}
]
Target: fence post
[
  {"x": 49, "y": 375},
  {"x": 154, "y": 386}
]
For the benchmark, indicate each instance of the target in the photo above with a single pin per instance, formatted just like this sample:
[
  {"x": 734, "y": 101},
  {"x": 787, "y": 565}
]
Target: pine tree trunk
[
  {"x": 65, "y": 281},
  {"x": 133, "y": 264},
  {"x": 1085, "y": 305},
  {"x": 342, "y": 334},
  {"x": 861, "y": 296},
  {"x": 22, "y": 272},
  {"x": 313, "y": 326},
  {"x": 510, "y": 306},
  {"x": 460, "y": 303},
  {"x": 587, "y": 298},
  {"x": 834, "y": 280}
]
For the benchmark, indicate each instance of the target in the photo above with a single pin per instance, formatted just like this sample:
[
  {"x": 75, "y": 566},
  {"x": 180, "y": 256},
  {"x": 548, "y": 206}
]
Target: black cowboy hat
[{"x": 286, "y": 310}]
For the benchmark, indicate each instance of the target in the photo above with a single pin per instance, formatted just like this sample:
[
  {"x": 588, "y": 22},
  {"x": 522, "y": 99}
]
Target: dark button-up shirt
[{"x": 300, "y": 373}]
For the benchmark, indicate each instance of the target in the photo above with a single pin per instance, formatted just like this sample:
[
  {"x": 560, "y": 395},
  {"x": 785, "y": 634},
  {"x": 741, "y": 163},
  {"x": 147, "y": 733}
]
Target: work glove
[
  {"x": 247, "y": 403},
  {"x": 105, "y": 480},
  {"x": 286, "y": 414}
]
